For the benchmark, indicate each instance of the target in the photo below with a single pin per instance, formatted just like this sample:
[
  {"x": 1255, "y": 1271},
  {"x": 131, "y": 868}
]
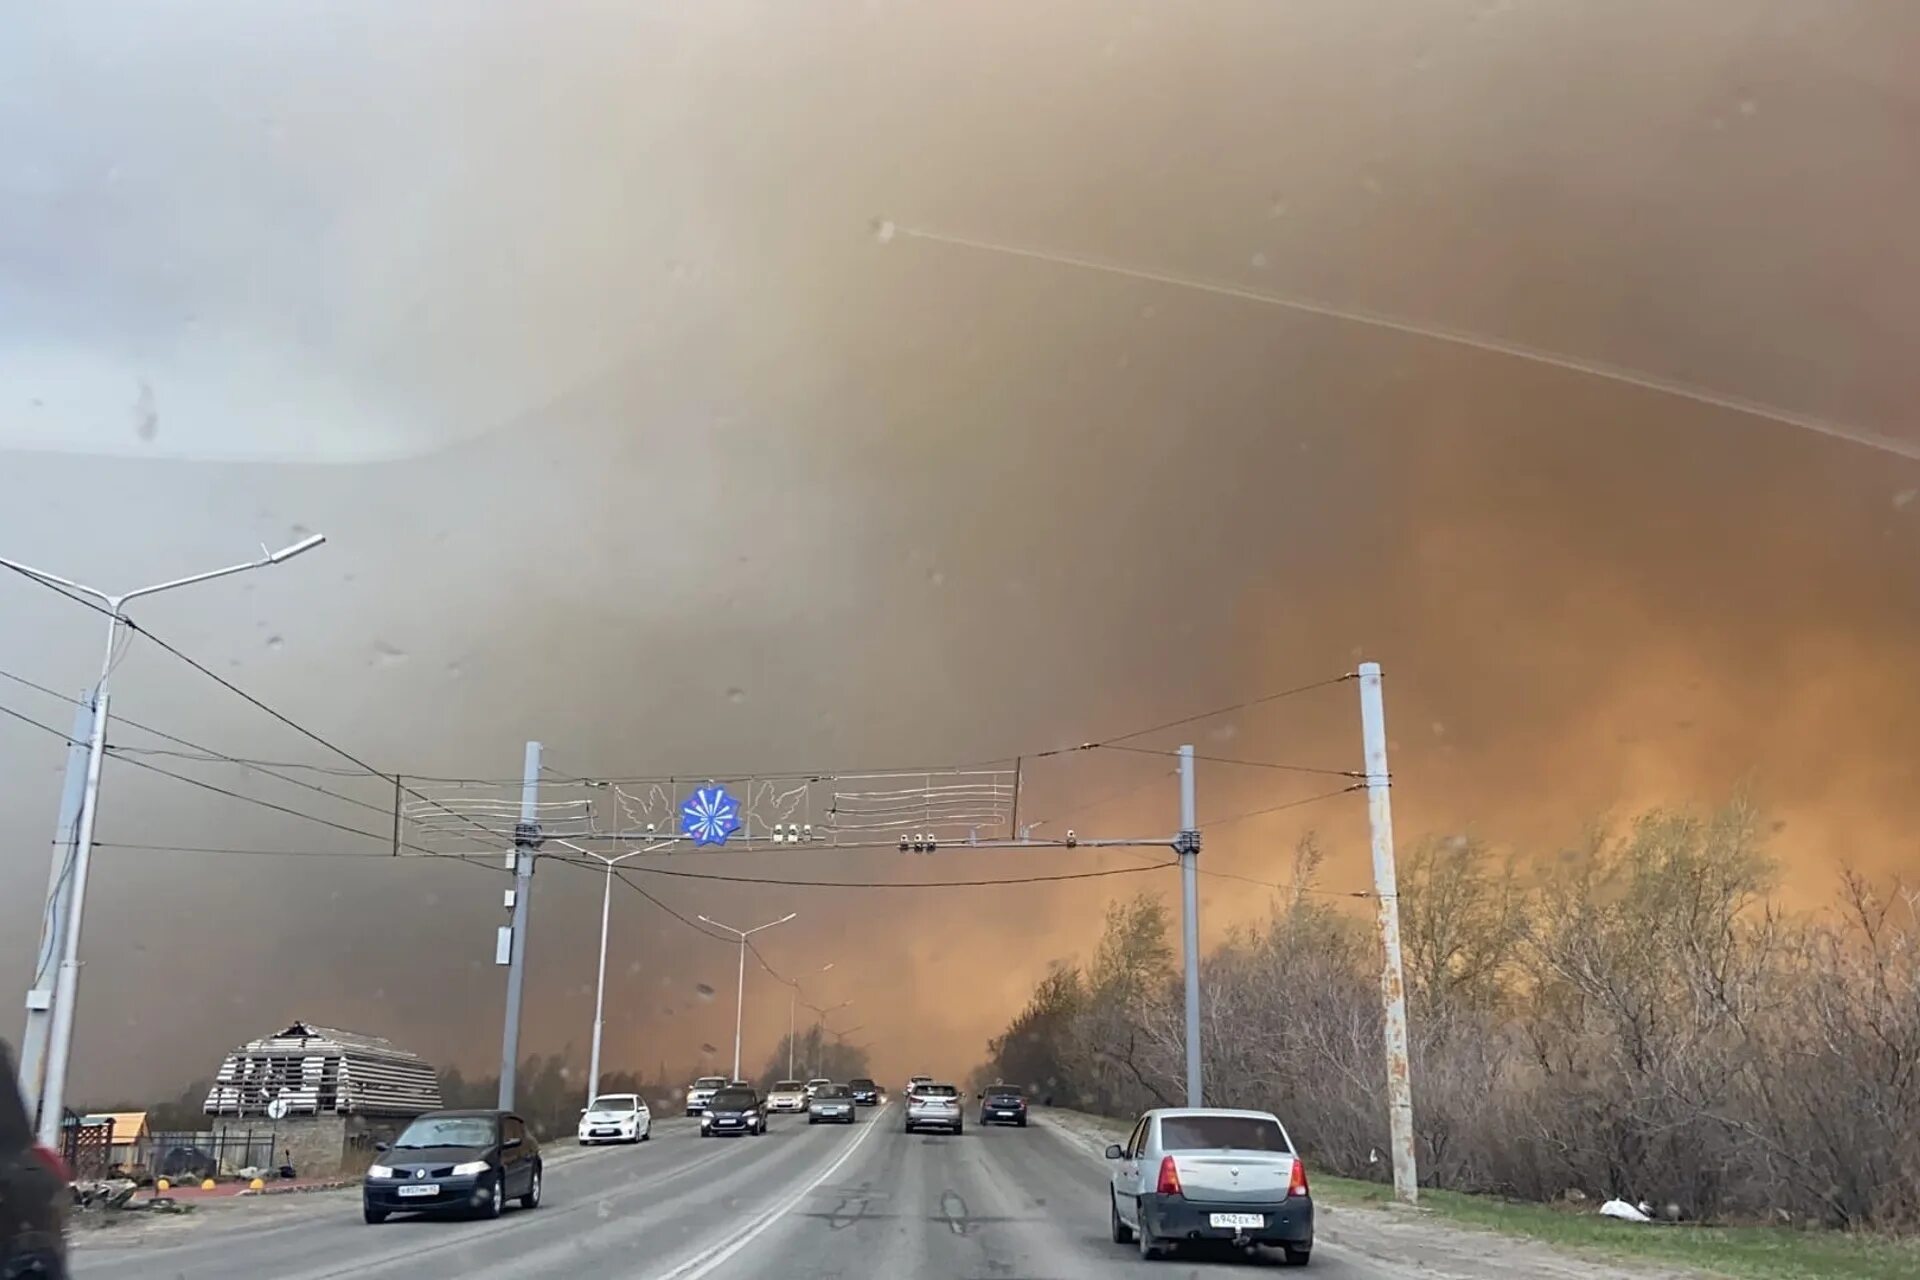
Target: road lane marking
[{"x": 704, "y": 1264}]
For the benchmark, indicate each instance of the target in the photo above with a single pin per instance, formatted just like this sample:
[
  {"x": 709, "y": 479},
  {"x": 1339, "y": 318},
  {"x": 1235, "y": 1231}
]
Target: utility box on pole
[{"x": 1393, "y": 983}]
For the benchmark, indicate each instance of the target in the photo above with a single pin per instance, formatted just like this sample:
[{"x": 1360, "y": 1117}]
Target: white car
[
  {"x": 616, "y": 1117},
  {"x": 914, "y": 1082},
  {"x": 701, "y": 1092},
  {"x": 815, "y": 1085},
  {"x": 1207, "y": 1173},
  {"x": 934, "y": 1106},
  {"x": 788, "y": 1095}
]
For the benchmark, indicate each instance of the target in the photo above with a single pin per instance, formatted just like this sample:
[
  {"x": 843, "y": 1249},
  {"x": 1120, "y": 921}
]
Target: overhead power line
[
  {"x": 1251, "y": 764},
  {"x": 877, "y": 884},
  {"x": 1202, "y": 715}
]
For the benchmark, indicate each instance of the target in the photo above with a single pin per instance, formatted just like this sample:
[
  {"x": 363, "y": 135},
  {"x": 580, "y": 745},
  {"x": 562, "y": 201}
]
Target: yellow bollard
[
  {"x": 258, "y": 1184},
  {"x": 163, "y": 1186},
  {"x": 207, "y": 1185}
]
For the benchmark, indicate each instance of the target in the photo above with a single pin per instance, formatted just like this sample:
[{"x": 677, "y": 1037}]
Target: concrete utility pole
[
  {"x": 526, "y": 843},
  {"x": 1187, "y": 844},
  {"x": 53, "y": 1094},
  {"x": 53, "y": 922},
  {"x": 1393, "y": 985}
]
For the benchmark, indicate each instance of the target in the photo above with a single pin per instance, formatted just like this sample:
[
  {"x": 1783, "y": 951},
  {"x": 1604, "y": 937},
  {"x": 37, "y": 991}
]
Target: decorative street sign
[{"x": 710, "y": 815}]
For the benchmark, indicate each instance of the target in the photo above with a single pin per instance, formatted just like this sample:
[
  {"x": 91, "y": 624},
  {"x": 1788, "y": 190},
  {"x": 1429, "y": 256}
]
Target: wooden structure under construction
[{"x": 328, "y": 1095}]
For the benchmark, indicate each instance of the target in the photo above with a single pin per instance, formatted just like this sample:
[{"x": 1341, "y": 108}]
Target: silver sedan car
[{"x": 1210, "y": 1174}]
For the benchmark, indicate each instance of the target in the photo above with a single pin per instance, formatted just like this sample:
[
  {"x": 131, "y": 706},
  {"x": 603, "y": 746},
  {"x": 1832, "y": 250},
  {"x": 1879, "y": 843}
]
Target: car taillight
[
  {"x": 1297, "y": 1183},
  {"x": 1169, "y": 1184},
  {"x": 51, "y": 1161}
]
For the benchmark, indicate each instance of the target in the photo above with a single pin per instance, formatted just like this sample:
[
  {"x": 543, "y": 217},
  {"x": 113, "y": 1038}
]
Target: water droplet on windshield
[
  {"x": 704, "y": 991},
  {"x": 883, "y": 230},
  {"x": 1905, "y": 497},
  {"x": 387, "y": 655},
  {"x": 275, "y": 644},
  {"x": 736, "y": 695},
  {"x": 1260, "y": 261}
]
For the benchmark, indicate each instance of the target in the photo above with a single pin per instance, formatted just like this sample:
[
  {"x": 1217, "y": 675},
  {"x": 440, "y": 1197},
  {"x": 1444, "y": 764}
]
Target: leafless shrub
[{"x": 1641, "y": 1021}]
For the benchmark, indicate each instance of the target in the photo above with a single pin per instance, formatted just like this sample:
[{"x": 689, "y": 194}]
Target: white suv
[{"x": 701, "y": 1092}]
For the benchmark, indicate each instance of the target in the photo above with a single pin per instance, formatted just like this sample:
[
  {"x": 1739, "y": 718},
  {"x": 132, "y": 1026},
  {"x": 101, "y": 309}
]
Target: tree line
[{"x": 1636, "y": 1016}]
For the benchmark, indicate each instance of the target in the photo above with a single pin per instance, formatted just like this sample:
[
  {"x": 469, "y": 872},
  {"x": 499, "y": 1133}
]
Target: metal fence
[{"x": 203, "y": 1154}]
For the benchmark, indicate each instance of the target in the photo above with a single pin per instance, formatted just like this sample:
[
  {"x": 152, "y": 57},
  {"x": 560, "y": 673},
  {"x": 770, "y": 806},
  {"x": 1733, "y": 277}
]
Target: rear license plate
[
  {"x": 423, "y": 1189},
  {"x": 1237, "y": 1219}
]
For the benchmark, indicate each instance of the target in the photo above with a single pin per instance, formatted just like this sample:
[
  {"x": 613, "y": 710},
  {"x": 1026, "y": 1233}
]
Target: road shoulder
[{"x": 1399, "y": 1242}]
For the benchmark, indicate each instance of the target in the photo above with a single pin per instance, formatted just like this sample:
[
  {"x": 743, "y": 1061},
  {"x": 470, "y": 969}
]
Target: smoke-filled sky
[{"x": 743, "y": 385}]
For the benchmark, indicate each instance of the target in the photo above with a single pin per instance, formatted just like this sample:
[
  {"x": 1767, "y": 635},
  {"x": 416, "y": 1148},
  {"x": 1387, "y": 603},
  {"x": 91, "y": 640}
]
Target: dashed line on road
[{"x": 704, "y": 1264}]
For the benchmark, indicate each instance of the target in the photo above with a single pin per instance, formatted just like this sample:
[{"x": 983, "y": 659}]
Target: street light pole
[
  {"x": 65, "y": 992},
  {"x": 791, "y": 1004},
  {"x": 740, "y": 985},
  {"x": 600, "y": 983},
  {"x": 819, "y": 1017}
]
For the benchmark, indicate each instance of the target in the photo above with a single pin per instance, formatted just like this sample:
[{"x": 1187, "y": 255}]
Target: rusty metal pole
[{"x": 1393, "y": 986}]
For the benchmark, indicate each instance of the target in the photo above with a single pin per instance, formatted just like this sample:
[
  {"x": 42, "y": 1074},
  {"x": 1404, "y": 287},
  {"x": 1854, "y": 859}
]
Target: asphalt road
[{"x": 802, "y": 1203}]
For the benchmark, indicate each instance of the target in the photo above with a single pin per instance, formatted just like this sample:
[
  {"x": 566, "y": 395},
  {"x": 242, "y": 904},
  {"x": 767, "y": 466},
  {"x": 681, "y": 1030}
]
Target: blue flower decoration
[{"x": 710, "y": 815}]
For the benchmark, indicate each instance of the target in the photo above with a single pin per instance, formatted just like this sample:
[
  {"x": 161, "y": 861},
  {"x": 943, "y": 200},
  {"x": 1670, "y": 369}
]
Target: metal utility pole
[
  {"x": 66, "y": 987},
  {"x": 1187, "y": 844},
  {"x": 526, "y": 843},
  {"x": 53, "y": 923},
  {"x": 1393, "y": 987},
  {"x": 740, "y": 986}
]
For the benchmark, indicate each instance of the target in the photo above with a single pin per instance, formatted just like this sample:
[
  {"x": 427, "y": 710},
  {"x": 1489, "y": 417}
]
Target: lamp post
[
  {"x": 600, "y": 983},
  {"x": 819, "y": 1016},
  {"x": 65, "y": 992},
  {"x": 740, "y": 985},
  {"x": 792, "y": 1003}
]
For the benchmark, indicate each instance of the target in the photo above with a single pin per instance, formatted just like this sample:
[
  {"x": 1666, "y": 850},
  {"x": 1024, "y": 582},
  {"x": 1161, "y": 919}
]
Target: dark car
[
  {"x": 865, "y": 1092},
  {"x": 1003, "y": 1104},
  {"x": 735, "y": 1109},
  {"x": 455, "y": 1162},
  {"x": 33, "y": 1191}
]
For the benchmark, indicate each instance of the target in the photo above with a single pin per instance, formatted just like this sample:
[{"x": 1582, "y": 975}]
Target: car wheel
[
  {"x": 1122, "y": 1233},
  {"x": 1150, "y": 1247},
  {"x": 1022, "y": 1122},
  {"x": 531, "y": 1200},
  {"x": 958, "y": 1129},
  {"x": 374, "y": 1216},
  {"x": 1299, "y": 1257},
  {"x": 496, "y": 1197}
]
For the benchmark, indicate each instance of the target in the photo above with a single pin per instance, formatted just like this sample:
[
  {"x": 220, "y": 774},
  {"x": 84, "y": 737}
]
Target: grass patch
[{"x": 1748, "y": 1253}]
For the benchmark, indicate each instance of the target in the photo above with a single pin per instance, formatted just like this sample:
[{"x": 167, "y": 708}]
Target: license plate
[
  {"x": 422, "y": 1189},
  {"x": 1237, "y": 1219}
]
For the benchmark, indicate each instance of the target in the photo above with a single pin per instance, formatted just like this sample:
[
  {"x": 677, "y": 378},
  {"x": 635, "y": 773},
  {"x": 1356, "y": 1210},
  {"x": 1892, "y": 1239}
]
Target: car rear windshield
[
  {"x": 787, "y": 1086},
  {"x": 861, "y": 1083},
  {"x": 1213, "y": 1133},
  {"x": 831, "y": 1091},
  {"x": 710, "y": 1082},
  {"x": 738, "y": 1099},
  {"x": 937, "y": 1091},
  {"x": 1003, "y": 1091}
]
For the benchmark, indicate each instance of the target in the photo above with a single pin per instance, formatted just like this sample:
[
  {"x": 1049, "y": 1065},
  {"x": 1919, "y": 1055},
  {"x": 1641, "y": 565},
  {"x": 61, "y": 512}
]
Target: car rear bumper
[
  {"x": 1289, "y": 1222},
  {"x": 1003, "y": 1115},
  {"x": 936, "y": 1120},
  {"x": 455, "y": 1194}
]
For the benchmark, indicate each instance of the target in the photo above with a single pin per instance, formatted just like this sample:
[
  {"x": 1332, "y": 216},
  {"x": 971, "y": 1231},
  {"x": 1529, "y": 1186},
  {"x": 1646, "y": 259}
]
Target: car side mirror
[
  {"x": 1114, "y": 1152},
  {"x": 510, "y": 1144}
]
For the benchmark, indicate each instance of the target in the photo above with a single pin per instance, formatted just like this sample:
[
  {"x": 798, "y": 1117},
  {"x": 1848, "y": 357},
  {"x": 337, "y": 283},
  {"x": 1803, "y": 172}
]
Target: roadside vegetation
[{"x": 1637, "y": 1018}]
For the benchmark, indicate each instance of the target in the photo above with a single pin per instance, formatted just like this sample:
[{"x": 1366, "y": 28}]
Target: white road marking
[{"x": 705, "y": 1264}]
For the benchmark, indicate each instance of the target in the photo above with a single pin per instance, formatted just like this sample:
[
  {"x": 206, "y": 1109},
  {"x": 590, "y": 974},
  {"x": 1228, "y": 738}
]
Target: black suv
[
  {"x": 1003, "y": 1104},
  {"x": 865, "y": 1092},
  {"x": 33, "y": 1191},
  {"x": 455, "y": 1162}
]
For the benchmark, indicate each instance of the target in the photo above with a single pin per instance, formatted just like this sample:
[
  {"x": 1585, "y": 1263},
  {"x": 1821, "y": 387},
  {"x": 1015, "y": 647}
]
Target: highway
[{"x": 801, "y": 1203}]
